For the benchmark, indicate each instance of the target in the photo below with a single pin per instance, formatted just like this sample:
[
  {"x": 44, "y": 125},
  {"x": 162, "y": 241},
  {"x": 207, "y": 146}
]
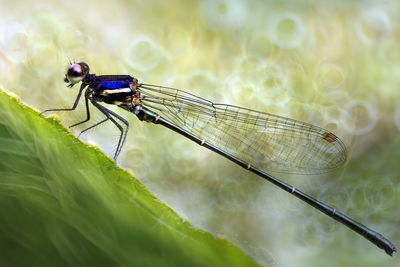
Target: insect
[{"x": 259, "y": 142}]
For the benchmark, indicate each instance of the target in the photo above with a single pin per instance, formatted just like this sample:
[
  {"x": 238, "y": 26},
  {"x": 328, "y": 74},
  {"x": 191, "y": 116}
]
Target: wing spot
[{"x": 330, "y": 137}]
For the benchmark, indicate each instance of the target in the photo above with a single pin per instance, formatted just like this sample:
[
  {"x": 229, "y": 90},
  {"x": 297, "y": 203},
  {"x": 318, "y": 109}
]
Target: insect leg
[
  {"x": 75, "y": 103},
  {"x": 94, "y": 125},
  {"x": 87, "y": 113},
  {"x": 124, "y": 133}
]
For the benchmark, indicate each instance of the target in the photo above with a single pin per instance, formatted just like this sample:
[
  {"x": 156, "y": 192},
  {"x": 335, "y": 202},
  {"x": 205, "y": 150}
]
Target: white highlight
[
  {"x": 298, "y": 35},
  {"x": 373, "y": 27},
  {"x": 143, "y": 54},
  {"x": 116, "y": 91},
  {"x": 14, "y": 42},
  {"x": 371, "y": 112},
  {"x": 223, "y": 14},
  {"x": 200, "y": 80}
]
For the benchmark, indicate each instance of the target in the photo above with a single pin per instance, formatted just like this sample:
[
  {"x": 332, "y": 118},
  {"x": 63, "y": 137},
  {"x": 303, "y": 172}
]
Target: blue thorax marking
[{"x": 113, "y": 84}]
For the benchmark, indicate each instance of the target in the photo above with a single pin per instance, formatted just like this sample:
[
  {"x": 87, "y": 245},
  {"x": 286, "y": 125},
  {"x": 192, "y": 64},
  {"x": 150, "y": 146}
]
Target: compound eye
[{"x": 76, "y": 72}]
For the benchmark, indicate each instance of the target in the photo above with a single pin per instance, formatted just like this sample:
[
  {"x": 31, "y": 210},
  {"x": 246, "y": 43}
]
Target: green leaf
[{"x": 63, "y": 202}]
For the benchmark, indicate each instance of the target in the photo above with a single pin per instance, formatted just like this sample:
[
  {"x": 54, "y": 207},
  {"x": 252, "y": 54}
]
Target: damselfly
[{"x": 257, "y": 141}]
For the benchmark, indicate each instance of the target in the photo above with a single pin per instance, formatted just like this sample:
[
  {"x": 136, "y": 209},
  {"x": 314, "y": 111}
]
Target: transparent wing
[{"x": 266, "y": 141}]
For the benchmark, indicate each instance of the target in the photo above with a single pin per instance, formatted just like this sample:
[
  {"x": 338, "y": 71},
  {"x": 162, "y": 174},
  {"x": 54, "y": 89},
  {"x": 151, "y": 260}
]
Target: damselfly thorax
[{"x": 120, "y": 90}]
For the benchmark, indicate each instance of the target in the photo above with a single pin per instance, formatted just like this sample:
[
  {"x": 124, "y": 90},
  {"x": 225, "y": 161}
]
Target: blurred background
[{"x": 333, "y": 64}]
